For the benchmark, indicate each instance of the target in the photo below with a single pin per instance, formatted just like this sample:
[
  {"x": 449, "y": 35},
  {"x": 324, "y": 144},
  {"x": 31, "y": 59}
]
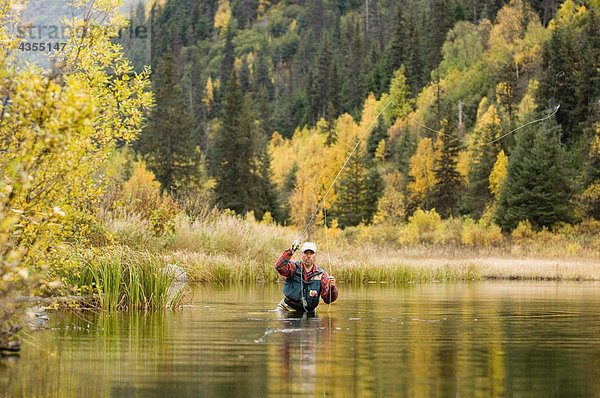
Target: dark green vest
[{"x": 311, "y": 289}]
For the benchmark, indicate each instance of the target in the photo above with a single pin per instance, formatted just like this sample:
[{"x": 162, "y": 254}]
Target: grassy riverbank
[
  {"x": 130, "y": 267},
  {"x": 223, "y": 248}
]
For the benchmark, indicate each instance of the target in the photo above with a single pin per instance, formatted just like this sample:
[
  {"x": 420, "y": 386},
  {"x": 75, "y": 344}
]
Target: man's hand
[
  {"x": 332, "y": 281},
  {"x": 296, "y": 245}
]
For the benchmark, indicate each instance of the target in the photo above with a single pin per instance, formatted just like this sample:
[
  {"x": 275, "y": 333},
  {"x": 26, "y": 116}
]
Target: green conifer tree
[
  {"x": 330, "y": 119},
  {"x": 395, "y": 54},
  {"x": 406, "y": 146},
  {"x": 261, "y": 77},
  {"x": 244, "y": 77},
  {"x": 378, "y": 133},
  {"x": 416, "y": 73},
  {"x": 167, "y": 143},
  {"x": 358, "y": 190},
  {"x": 538, "y": 185},
  {"x": 240, "y": 162},
  {"x": 352, "y": 89},
  {"x": 349, "y": 207},
  {"x": 559, "y": 78},
  {"x": 324, "y": 81},
  {"x": 228, "y": 55},
  {"x": 233, "y": 153},
  {"x": 446, "y": 191},
  {"x": 313, "y": 97},
  {"x": 265, "y": 192},
  {"x": 374, "y": 187},
  {"x": 440, "y": 21}
]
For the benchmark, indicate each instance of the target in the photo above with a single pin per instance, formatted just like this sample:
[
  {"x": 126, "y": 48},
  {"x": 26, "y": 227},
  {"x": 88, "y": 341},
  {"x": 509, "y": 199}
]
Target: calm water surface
[{"x": 484, "y": 339}]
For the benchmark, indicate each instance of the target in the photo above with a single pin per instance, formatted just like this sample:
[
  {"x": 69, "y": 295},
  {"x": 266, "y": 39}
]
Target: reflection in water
[
  {"x": 295, "y": 359},
  {"x": 491, "y": 339}
]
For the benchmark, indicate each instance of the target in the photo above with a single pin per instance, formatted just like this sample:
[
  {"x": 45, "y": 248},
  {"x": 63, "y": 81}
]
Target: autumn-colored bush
[
  {"x": 481, "y": 234},
  {"x": 421, "y": 227},
  {"x": 524, "y": 233},
  {"x": 141, "y": 193},
  {"x": 449, "y": 232},
  {"x": 162, "y": 218},
  {"x": 141, "y": 196}
]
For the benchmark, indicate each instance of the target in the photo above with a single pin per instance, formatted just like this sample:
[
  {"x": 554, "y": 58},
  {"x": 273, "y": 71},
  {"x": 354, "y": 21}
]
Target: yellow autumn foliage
[
  {"x": 498, "y": 174},
  {"x": 421, "y": 170},
  {"x": 223, "y": 14},
  {"x": 317, "y": 164},
  {"x": 55, "y": 136},
  {"x": 208, "y": 97}
]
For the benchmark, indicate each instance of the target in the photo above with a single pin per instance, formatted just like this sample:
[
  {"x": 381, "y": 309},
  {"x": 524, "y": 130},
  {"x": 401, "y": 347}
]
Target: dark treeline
[{"x": 305, "y": 60}]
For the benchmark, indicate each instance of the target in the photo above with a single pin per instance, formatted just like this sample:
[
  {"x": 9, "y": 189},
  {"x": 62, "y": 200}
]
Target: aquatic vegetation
[{"x": 125, "y": 279}]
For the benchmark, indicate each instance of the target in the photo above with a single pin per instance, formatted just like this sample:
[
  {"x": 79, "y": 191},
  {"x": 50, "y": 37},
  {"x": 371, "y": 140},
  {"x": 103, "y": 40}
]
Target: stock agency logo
[{"x": 45, "y": 35}]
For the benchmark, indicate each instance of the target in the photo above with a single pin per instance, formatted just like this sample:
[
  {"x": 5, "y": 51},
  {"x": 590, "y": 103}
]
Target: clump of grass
[
  {"x": 221, "y": 268},
  {"x": 132, "y": 230},
  {"x": 229, "y": 234},
  {"x": 125, "y": 279}
]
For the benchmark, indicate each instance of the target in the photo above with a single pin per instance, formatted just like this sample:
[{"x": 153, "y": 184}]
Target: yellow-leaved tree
[
  {"x": 589, "y": 199},
  {"x": 498, "y": 174},
  {"x": 496, "y": 179},
  {"x": 56, "y": 131},
  {"x": 514, "y": 47},
  {"x": 223, "y": 14},
  {"x": 422, "y": 175},
  {"x": 483, "y": 150}
]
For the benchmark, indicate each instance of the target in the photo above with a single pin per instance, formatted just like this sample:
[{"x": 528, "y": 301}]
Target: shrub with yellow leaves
[
  {"x": 57, "y": 131},
  {"x": 481, "y": 234}
]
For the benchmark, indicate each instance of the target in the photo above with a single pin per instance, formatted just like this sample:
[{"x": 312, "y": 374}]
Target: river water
[{"x": 480, "y": 339}]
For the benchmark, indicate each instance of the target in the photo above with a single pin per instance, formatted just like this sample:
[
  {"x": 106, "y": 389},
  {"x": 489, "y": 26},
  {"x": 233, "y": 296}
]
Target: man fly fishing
[{"x": 304, "y": 283}]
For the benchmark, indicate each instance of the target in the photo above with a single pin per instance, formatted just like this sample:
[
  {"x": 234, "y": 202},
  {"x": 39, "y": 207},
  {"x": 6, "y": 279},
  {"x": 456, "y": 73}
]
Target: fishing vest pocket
[{"x": 312, "y": 292}]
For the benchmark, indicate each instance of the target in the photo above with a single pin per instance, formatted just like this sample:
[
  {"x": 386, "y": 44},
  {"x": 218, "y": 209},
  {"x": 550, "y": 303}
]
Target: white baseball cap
[{"x": 309, "y": 246}]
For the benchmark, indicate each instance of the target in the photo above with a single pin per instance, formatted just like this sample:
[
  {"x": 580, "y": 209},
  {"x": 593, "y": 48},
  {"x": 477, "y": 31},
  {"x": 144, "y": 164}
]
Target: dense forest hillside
[{"x": 493, "y": 107}]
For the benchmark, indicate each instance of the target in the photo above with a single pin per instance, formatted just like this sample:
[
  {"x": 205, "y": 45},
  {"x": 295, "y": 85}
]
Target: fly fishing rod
[
  {"x": 303, "y": 299},
  {"x": 342, "y": 168}
]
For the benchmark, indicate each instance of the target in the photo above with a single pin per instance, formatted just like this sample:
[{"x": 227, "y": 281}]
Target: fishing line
[
  {"x": 495, "y": 139},
  {"x": 325, "y": 196},
  {"x": 354, "y": 150},
  {"x": 554, "y": 110},
  {"x": 328, "y": 255},
  {"x": 344, "y": 165}
]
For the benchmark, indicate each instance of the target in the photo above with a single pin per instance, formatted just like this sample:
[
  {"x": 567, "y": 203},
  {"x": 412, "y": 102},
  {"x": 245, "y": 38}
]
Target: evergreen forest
[{"x": 492, "y": 108}]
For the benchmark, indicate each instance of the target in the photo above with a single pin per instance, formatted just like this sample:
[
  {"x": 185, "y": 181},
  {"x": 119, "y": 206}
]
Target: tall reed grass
[{"x": 125, "y": 279}]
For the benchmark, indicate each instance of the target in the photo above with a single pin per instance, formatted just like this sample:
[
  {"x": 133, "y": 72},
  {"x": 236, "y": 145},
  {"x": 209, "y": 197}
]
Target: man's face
[{"x": 308, "y": 258}]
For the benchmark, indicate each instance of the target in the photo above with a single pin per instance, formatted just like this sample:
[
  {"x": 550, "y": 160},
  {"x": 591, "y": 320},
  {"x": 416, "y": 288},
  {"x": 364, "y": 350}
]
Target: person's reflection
[{"x": 302, "y": 334}]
